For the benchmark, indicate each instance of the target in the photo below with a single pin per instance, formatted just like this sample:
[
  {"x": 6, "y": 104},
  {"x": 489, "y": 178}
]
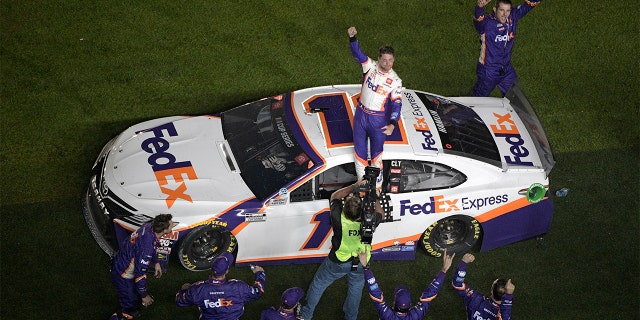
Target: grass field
[{"x": 75, "y": 73}]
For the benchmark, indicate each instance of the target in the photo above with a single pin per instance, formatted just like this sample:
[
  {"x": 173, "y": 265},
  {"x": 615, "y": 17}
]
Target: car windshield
[
  {"x": 263, "y": 145},
  {"x": 462, "y": 131}
]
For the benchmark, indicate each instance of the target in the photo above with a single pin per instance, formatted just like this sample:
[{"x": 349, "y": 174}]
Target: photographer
[{"x": 343, "y": 257}]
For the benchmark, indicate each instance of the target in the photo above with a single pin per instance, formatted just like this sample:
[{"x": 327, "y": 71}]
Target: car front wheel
[
  {"x": 456, "y": 234},
  {"x": 202, "y": 244}
]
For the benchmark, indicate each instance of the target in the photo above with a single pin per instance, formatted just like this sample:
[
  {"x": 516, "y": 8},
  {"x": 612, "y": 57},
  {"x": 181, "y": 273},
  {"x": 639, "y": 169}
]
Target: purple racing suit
[
  {"x": 379, "y": 105},
  {"x": 496, "y": 43},
  {"x": 416, "y": 312},
  {"x": 130, "y": 266},
  {"x": 221, "y": 299},
  {"x": 478, "y": 306},
  {"x": 272, "y": 313}
]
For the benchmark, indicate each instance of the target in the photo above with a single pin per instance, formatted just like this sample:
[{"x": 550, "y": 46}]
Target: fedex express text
[{"x": 439, "y": 204}]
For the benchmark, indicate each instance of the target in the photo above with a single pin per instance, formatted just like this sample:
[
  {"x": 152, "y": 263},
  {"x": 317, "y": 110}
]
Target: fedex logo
[
  {"x": 376, "y": 87},
  {"x": 165, "y": 166},
  {"x": 506, "y": 128},
  {"x": 222, "y": 302},
  {"x": 422, "y": 127},
  {"x": 500, "y": 38},
  {"x": 477, "y": 316},
  {"x": 436, "y": 204}
]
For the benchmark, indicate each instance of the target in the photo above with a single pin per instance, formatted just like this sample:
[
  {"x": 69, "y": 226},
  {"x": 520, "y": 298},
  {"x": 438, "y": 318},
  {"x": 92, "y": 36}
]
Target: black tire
[
  {"x": 100, "y": 225},
  {"x": 457, "y": 234},
  {"x": 201, "y": 245}
]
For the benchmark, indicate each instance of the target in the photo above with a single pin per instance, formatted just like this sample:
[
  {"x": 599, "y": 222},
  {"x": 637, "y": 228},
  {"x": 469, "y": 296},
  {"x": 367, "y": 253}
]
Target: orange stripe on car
[{"x": 511, "y": 206}]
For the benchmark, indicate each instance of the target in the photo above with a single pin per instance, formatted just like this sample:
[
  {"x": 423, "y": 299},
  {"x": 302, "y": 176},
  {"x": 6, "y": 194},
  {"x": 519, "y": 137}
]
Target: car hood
[{"x": 176, "y": 159}]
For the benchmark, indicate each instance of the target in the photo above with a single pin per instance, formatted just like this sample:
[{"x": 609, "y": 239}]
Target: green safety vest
[{"x": 350, "y": 242}]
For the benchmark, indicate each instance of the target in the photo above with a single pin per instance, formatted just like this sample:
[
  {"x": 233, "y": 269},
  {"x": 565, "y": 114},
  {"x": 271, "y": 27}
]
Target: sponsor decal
[
  {"x": 436, "y": 118},
  {"x": 500, "y": 38},
  {"x": 165, "y": 242},
  {"x": 303, "y": 158},
  {"x": 170, "y": 173},
  {"x": 171, "y": 236},
  {"x": 376, "y": 88},
  {"x": 211, "y": 222},
  {"x": 283, "y": 132},
  {"x": 398, "y": 249},
  {"x": 422, "y": 127},
  {"x": 255, "y": 217},
  {"x": 478, "y": 203},
  {"x": 506, "y": 128},
  {"x": 420, "y": 124},
  {"x": 221, "y": 302},
  {"x": 278, "y": 202},
  {"x": 436, "y": 204},
  {"x": 477, "y": 316}
]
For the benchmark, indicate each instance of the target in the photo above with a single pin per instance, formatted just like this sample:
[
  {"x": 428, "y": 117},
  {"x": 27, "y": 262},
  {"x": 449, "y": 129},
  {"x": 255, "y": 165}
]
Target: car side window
[
  {"x": 325, "y": 183},
  {"x": 411, "y": 175}
]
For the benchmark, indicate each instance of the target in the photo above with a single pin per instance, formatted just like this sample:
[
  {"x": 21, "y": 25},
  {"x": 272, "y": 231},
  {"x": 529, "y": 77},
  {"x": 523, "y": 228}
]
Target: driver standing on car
[
  {"x": 379, "y": 105},
  {"x": 133, "y": 261},
  {"x": 342, "y": 260}
]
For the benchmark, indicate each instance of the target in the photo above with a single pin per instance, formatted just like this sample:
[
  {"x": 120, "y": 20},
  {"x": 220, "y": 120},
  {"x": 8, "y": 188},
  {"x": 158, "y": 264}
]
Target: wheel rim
[
  {"x": 450, "y": 232},
  {"x": 207, "y": 245}
]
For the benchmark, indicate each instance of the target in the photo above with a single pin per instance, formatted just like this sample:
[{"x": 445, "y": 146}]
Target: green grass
[{"x": 75, "y": 73}]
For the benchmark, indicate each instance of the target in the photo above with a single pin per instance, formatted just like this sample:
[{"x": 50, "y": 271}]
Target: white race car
[{"x": 255, "y": 180}]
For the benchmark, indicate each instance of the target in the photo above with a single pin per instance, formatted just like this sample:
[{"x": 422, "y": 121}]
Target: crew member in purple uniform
[
  {"x": 496, "y": 307},
  {"x": 497, "y": 34},
  {"x": 378, "y": 109},
  {"x": 132, "y": 262},
  {"x": 289, "y": 308},
  {"x": 402, "y": 308},
  {"x": 219, "y": 298}
]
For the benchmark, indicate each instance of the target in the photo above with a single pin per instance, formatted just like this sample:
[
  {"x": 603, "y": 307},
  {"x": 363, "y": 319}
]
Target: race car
[{"x": 459, "y": 173}]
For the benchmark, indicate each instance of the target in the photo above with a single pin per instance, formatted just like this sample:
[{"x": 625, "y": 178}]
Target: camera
[{"x": 368, "y": 204}]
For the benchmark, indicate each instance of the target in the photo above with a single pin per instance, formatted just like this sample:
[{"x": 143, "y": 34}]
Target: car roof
[{"x": 324, "y": 116}]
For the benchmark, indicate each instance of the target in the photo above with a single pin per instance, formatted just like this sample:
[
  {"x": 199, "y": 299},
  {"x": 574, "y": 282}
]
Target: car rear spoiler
[{"x": 525, "y": 110}]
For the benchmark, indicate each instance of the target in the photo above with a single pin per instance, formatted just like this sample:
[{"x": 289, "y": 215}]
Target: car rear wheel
[
  {"x": 456, "y": 234},
  {"x": 202, "y": 244}
]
